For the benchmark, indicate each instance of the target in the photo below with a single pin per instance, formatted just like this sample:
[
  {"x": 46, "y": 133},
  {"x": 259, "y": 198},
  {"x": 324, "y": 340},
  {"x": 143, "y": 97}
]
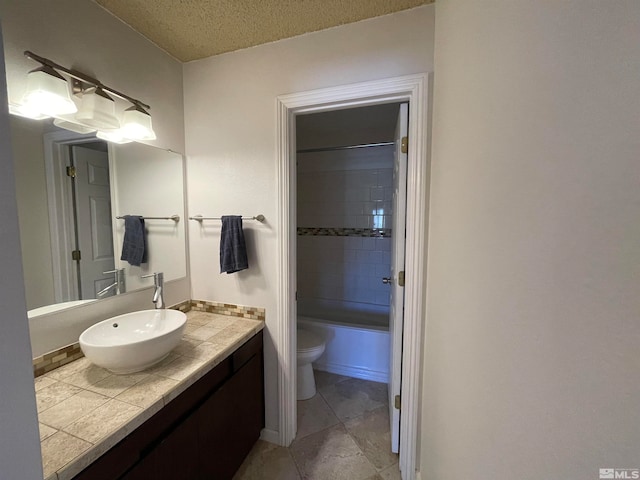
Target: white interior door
[
  {"x": 396, "y": 281},
  {"x": 93, "y": 210}
]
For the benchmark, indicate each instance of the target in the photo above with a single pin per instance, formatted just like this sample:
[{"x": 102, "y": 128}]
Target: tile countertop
[{"x": 84, "y": 410}]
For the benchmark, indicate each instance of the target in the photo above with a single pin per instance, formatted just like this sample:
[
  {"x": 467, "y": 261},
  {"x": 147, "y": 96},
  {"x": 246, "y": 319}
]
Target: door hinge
[
  {"x": 404, "y": 144},
  {"x": 75, "y": 255},
  {"x": 401, "y": 278},
  {"x": 396, "y": 402},
  {"x": 71, "y": 172}
]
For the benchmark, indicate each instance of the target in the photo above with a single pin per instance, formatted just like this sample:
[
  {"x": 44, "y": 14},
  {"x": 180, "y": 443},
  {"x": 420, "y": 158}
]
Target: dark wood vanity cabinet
[{"x": 203, "y": 434}]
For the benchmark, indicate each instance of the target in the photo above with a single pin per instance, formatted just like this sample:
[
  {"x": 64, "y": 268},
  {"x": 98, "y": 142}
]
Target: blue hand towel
[
  {"x": 134, "y": 245},
  {"x": 233, "y": 251}
]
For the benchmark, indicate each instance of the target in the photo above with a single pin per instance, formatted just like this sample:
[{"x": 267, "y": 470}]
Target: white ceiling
[{"x": 194, "y": 29}]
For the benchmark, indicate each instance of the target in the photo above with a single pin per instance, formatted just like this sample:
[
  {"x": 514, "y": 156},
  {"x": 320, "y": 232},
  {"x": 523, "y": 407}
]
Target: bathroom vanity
[{"x": 202, "y": 427}]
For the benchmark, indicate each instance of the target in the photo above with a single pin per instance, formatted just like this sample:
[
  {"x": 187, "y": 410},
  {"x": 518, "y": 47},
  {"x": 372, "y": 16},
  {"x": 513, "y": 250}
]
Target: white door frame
[{"x": 411, "y": 88}]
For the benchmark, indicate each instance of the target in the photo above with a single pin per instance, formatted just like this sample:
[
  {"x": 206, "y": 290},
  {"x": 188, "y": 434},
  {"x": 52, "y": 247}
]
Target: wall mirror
[{"x": 70, "y": 190}]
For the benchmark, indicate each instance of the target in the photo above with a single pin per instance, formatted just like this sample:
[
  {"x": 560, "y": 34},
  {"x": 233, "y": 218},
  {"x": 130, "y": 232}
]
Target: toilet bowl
[{"x": 310, "y": 347}]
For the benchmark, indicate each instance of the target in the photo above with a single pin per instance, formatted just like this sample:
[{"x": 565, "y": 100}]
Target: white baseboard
[
  {"x": 271, "y": 436},
  {"x": 355, "y": 372}
]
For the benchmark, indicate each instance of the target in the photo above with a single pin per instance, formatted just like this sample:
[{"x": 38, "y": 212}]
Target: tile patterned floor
[{"x": 343, "y": 434}]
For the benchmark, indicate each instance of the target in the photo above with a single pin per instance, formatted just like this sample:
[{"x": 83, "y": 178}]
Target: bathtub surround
[{"x": 347, "y": 194}]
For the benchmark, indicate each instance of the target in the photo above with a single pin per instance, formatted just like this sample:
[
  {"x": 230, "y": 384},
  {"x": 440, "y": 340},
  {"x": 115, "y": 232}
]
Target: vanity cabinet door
[
  {"x": 177, "y": 454},
  {"x": 175, "y": 457},
  {"x": 230, "y": 422}
]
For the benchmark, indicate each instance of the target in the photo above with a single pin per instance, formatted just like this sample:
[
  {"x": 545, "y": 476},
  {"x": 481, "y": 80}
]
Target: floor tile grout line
[
  {"x": 341, "y": 422},
  {"x": 295, "y": 464},
  {"x": 329, "y": 405},
  {"x": 354, "y": 418}
]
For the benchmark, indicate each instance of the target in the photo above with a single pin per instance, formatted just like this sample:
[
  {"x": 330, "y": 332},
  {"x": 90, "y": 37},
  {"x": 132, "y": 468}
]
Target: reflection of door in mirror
[{"x": 93, "y": 228}]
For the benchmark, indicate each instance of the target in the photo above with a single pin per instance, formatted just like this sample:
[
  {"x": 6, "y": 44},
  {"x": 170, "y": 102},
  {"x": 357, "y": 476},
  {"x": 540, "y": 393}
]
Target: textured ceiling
[{"x": 194, "y": 29}]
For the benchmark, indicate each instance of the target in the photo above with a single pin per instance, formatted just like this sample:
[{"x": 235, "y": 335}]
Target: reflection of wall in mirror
[
  {"x": 149, "y": 182},
  {"x": 31, "y": 193}
]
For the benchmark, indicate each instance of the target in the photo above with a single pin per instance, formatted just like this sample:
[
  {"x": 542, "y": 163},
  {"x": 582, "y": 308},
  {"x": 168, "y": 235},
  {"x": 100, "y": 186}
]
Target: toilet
[{"x": 310, "y": 347}]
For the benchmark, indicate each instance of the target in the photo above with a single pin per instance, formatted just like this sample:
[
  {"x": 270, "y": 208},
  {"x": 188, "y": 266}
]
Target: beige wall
[
  {"x": 531, "y": 360},
  {"x": 231, "y": 140},
  {"x": 19, "y": 441}
]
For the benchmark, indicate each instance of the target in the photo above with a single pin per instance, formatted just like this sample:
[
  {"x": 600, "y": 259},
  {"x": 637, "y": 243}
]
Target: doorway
[
  {"x": 413, "y": 90},
  {"x": 351, "y": 206}
]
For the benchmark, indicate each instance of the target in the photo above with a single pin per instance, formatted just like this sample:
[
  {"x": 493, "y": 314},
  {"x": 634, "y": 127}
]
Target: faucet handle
[{"x": 157, "y": 276}]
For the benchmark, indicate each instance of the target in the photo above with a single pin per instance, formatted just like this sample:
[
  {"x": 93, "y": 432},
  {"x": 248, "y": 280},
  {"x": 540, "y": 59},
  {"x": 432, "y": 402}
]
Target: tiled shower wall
[{"x": 344, "y": 202}]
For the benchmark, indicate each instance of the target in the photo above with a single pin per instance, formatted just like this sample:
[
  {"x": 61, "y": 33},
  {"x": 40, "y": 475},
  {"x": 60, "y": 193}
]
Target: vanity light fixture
[
  {"x": 48, "y": 95},
  {"x": 98, "y": 110},
  {"x": 48, "y": 92},
  {"x": 136, "y": 124}
]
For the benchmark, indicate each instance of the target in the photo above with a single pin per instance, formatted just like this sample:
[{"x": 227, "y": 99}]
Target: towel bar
[
  {"x": 200, "y": 218},
  {"x": 175, "y": 218}
]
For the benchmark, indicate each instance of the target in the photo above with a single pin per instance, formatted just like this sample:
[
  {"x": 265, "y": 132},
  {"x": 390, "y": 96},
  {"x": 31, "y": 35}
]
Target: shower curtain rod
[{"x": 346, "y": 147}]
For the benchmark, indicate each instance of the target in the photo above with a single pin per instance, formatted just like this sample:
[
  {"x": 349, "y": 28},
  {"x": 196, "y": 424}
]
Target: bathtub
[{"x": 352, "y": 348}]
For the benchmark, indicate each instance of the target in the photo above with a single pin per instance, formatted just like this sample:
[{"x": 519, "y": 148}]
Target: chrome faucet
[
  {"x": 118, "y": 283},
  {"x": 158, "y": 283}
]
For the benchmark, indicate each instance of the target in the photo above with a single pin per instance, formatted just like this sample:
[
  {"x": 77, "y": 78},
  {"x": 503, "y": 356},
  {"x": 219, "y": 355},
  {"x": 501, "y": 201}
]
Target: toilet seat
[{"x": 308, "y": 341}]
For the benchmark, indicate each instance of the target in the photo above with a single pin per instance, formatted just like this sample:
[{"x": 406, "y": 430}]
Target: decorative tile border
[
  {"x": 229, "y": 309},
  {"x": 183, "y": 307},
  {"x": 343, "y": 232},
  {"x": 52, "y": 360}
]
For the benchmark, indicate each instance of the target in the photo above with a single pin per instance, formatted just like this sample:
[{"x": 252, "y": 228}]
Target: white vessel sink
[{"x": 134, "y": 341}]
